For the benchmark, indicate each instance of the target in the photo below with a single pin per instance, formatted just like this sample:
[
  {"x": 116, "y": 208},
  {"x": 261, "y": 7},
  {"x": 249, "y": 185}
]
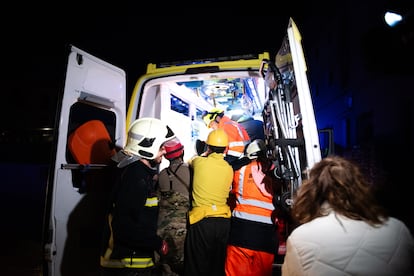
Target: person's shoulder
[
  {"x": 164, "y": 171},
  {"x": 314, "y": 224},
  {"x": 394, "y": 220},
  {"x": 137, "y": 165},
  {"x": 184, "y": 165},
  {"x": 258, "y": 122},
  {"x": 397, "y": 223},
  {"x": 193, "y": 158}
]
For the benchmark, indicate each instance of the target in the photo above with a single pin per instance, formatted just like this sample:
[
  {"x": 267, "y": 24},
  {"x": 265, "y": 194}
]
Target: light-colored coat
[{"x": 335, "y": 245}]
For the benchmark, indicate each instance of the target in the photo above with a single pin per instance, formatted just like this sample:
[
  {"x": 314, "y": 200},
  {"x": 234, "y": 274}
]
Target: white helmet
[
  {"x": 255, "y": 149},
  {"x": 145, "y": 137}
]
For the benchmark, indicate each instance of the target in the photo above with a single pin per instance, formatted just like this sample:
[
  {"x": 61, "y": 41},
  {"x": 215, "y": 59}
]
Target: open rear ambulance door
[
  {"x": 291, "y": 129},
  {"x": 90, "y": 125},
  {"x": 290, "y": 125}
]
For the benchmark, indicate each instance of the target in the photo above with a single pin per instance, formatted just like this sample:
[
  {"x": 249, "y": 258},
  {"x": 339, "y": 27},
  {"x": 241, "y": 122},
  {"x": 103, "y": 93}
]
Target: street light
[{"x": 392, "y": 18}]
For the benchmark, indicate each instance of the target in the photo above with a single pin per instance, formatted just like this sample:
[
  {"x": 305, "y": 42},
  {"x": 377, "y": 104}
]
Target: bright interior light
[{"x": 392, "y": 19}]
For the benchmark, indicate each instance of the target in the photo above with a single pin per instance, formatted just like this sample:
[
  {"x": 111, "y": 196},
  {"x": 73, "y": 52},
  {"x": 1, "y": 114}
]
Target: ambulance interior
[{"x": 184, "y": 100}]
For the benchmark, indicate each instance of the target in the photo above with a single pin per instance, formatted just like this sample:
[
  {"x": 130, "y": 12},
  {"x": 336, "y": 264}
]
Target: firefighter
[
  {"x": 253, "y": 238},
  {"x": 209, "y": 218},
  {"x": 130, "y": 234},
  {"x": 238, "y": 136}
]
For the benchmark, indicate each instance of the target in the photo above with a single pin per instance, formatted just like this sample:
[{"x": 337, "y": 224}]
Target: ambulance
[{"x": 93, "y": 120}]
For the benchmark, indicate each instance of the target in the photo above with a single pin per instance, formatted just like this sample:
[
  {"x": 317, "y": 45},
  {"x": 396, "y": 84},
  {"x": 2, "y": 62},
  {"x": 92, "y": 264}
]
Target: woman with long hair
[{"x": 342, "y": 229}]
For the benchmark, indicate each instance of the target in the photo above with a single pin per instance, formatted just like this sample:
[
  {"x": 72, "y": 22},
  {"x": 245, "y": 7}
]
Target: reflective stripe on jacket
[
  {"x": 132, "y": 262},
  {"x": 127, "y": 263}
]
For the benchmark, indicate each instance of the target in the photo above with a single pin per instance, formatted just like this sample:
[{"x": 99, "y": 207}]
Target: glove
[
  {"x": 200, "y": 146},
  {"x": 232, "y": 201},
  {"x": 164, "y": 248}
]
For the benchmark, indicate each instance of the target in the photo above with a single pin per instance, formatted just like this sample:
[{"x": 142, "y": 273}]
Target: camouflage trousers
[{"x": 172, "y": 227}]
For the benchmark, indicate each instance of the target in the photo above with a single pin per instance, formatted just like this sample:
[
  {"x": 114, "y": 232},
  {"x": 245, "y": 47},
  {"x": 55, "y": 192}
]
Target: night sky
[
  {"x": 35, "y": 51},
  {"x": 36, "y": 39},
  {"x": 36, "y": 43}
]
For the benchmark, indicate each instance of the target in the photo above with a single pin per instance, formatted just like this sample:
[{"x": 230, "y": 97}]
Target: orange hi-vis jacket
[
  {"x": 238, "y": 136},
  {"x": 253, "y": 202}
]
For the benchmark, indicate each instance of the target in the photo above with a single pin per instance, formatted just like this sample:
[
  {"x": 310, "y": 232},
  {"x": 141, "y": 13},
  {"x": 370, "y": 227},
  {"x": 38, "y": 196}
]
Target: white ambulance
[{"x": 272, "y": 88}]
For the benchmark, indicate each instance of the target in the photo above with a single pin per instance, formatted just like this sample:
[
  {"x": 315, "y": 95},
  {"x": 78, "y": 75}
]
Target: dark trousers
[{"x": 205, "y": 247}]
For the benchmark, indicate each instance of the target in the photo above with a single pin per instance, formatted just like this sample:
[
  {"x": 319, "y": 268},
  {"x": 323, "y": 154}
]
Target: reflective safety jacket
[
  {"x": 251, "y": 223},
  {"x": 238, "y": 136},
  {"x": 253, "y": 202}
]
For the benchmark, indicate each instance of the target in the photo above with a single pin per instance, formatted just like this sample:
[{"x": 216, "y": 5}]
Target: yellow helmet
[
  {"x": 217, "y": 138},
  {"x": 209, "y": 116}
]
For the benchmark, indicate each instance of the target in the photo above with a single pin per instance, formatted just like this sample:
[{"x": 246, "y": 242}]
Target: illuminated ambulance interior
[{"x": 182, "y": 102}]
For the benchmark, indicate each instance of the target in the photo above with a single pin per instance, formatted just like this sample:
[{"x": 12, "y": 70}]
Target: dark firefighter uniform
[{"x": 130, "y": 236}]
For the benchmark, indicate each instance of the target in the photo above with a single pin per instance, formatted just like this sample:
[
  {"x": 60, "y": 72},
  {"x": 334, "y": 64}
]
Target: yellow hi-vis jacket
[
  {"x": 198, "y": 213},
  {"x": 212, "y": 181}
]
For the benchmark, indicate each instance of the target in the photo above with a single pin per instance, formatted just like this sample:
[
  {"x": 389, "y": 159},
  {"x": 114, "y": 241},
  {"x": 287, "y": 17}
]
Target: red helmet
[{"x": 174, "y": 149}]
